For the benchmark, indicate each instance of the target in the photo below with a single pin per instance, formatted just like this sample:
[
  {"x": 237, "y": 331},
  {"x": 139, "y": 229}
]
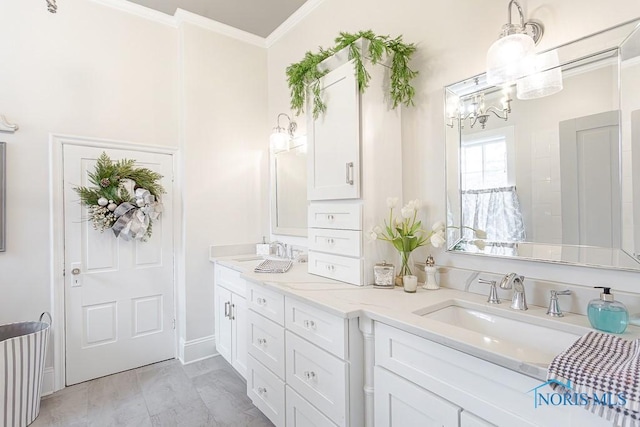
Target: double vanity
[{"x": 316, "y": 352}]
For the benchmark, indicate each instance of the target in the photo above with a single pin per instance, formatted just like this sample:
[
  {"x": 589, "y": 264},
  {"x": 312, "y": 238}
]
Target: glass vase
[{"x": 405, "y": 264}]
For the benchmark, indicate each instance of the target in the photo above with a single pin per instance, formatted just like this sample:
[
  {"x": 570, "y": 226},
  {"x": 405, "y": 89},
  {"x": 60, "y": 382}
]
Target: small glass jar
[{"x": 384, "y": 275}]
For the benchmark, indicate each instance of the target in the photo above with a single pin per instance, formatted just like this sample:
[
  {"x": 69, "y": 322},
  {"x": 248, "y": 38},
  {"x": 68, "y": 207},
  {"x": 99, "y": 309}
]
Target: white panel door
[
  {"x": 590, "y": 180},
  {"x": 334, "y": 139},
  {"x": 119, "y": 309}
]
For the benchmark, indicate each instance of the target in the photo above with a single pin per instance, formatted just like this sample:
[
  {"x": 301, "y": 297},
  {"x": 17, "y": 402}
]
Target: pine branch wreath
[{"x": 123, "y": 197}]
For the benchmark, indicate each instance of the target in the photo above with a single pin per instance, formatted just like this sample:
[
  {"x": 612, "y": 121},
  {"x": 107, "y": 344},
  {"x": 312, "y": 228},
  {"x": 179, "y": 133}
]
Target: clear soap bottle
[{"x": 607, "y": 314}]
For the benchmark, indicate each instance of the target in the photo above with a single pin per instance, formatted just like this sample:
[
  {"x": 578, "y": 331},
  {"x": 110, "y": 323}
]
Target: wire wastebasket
[{"x": 23, "y": 347}]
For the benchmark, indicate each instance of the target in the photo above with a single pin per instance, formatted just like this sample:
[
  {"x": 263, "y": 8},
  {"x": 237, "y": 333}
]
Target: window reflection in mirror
[{"x": 551, "y": 178}]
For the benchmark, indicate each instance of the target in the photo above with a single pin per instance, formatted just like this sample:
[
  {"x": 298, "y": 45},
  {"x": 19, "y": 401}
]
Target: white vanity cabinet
[
  {"x": 266, "y": 342},
  {"x": 305, "y": 364},
  {"x": 324, "y": 367},
  {"x": 354, "y": 159},
  {"x": 449, "y": 381},
  {"x": 334, "y": 145},
  {"x": 401, "y": 403},
  {"x": 231, "y": 317}
]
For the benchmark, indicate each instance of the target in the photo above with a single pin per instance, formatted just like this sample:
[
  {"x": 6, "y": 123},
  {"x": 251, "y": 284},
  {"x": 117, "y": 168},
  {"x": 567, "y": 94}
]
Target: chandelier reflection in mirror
[{"x": 474, "y": 109}]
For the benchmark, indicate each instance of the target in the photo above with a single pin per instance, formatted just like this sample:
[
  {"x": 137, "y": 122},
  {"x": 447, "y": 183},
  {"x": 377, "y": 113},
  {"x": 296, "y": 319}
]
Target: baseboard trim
[
  {"x": 48, "y": 381},
  {"x": 199, "y": 349}
]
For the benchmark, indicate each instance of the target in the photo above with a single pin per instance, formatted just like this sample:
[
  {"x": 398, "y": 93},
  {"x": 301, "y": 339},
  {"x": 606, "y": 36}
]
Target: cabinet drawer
[
  {"x": 319, "y": 377},
  {"x": 336, "y": 267},
  {"x": 230, "y": 279},
  {"x": 338, "y": 242},
  {"x": 266, "y": 302},
  {"x": 343, "y": 216},
  {"x": 399, "y": 402},
  {"x": 323, "y": 329},
  {"x": 266, "y": 343},
  {"x": 266, "y": 391},
  {"x": 301, "y": 413}
]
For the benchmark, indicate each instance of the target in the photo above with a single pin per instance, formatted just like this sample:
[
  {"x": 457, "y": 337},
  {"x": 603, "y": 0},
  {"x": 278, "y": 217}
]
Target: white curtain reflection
[{"x": 496, "y": 211}]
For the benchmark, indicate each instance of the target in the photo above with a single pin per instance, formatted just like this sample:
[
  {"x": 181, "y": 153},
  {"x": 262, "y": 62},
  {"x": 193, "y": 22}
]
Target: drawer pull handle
[
  {"x": 261, "y": 301},
  {"x": 232, "y": 315},
  {"x": 330, "y": 218},
  {"x": 350, "y": 173},
  {"x": 262, "y": 390},
  {"x": 330, "y": 267},
  {"x": 262, "y": 341},
  {"x": 310, "y": 375},
  {"x": 226, "y": 309},
  {"x": 310, "y": 324},
  {"x": 330, "y": 241}
]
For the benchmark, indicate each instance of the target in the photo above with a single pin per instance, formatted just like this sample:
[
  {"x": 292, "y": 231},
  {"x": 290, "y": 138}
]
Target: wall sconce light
[
  {"x": 280, "y": 137},
  {"x": 511, "y": 56},
  {"x": 477, "y": 112},
  {"x": 545, "y": 78}
]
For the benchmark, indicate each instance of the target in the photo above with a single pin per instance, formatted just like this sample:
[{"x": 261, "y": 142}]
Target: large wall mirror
[
  {"x": 549, "y": 167},
  {"x": 289, "y": 190}
]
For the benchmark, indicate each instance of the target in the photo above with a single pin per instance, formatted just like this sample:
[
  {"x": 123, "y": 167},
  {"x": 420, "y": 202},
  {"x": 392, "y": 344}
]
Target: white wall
[
  {"x": 452, "y": 38},
  {"x": 92, "y": 70},
  {"x": 88, "y": 70},
  {"x": 225, "y": 143}
]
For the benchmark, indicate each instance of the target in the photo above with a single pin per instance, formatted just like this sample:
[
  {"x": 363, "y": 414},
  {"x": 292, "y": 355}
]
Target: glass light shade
[
  {"x": 279, "y": 141},
  {"x": 509, "y": 58},
  {"x": 545, "y": 80}
]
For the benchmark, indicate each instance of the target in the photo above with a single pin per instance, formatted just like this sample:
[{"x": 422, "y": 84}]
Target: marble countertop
[{"x": 403, "y": 310}]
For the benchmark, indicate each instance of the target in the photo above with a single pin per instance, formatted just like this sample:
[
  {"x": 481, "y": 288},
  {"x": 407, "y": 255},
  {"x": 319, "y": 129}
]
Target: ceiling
[{"x": 259, "y": 17}]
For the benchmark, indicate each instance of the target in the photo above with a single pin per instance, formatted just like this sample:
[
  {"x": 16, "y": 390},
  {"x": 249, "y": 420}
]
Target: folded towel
[
  {"x": 605, "y": 371},
  {"x": 273, "y": 266}
]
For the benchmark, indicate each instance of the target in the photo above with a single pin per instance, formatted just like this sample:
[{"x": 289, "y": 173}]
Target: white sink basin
[{"x": 528, "y": 338}]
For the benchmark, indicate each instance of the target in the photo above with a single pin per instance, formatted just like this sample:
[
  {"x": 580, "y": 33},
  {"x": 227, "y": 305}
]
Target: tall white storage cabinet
[{"x": 355, "y": 163}]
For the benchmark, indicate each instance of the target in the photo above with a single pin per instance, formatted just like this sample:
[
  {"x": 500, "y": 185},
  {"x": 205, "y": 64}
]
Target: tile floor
[{"x": 205, "y": 393}]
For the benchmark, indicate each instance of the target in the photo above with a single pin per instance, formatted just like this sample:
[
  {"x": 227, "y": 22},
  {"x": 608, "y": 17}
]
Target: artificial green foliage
[
  {"x": 107, "y": 178},
  {"x": 305, "y": 74}
]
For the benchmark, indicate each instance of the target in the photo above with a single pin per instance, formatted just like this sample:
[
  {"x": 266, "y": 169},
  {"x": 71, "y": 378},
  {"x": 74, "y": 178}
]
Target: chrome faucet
[
  {"x": 281, "y": 249},
  {"x": 515, "y": 281},
  {"x": 554, "y": 308},
  {"x": 493, "y": 292}
]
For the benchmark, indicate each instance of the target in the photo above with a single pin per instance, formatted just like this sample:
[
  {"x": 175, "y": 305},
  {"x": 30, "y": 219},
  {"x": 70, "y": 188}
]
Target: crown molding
[
  {"x": 139, "y": 10},
  {"x": 182, "y": 16},
  {"x": 292, "y": 21}
]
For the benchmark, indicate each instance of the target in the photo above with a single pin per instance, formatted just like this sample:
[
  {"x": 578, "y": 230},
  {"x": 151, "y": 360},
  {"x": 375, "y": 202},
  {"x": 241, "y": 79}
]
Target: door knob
[{"x": 75, "y": 271}]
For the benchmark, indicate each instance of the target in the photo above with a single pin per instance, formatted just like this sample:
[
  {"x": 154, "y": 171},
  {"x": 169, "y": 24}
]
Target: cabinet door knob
[
  {"x": 262, "y": 341},
  {"x": 262, "y": 390},
  {"x": 226, "y": 309},
  {"x": 232, "y": 316},
  {"x": 310, "y": 375},
  {"x": 350, "y": 173}
]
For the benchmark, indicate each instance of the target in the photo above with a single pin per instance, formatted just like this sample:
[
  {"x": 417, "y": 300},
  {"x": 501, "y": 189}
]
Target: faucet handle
[
  {"x": 493, "y": 292},
  {"x": 554, "y": 307}
]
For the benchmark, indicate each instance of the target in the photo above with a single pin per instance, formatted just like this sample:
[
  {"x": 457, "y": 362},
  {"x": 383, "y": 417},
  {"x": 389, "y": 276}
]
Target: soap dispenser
[{"x": 607, "y": 314}]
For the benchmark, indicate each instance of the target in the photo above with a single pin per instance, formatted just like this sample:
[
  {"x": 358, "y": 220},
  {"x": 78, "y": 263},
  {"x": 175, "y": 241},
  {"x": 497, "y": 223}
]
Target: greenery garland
[
  {"x": 305, "y": 73},
  {"x": 110, "y": 200}
]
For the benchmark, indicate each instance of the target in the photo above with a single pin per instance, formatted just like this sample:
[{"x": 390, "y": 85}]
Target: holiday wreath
[{"x": 124, "y": 199}]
